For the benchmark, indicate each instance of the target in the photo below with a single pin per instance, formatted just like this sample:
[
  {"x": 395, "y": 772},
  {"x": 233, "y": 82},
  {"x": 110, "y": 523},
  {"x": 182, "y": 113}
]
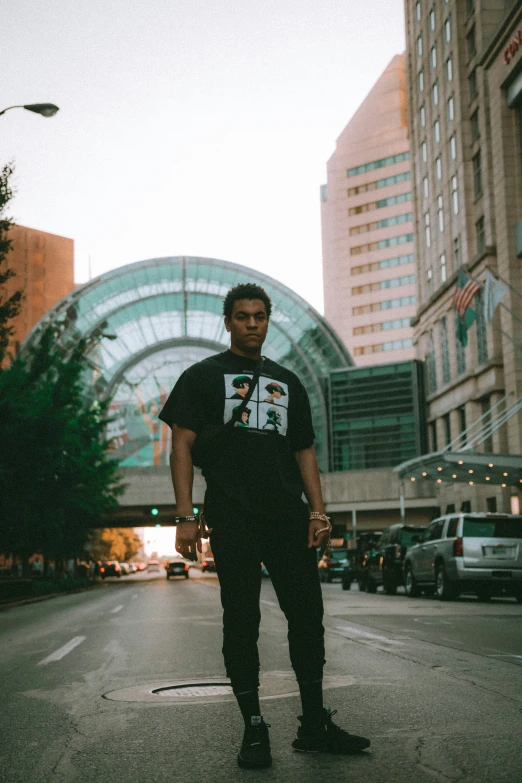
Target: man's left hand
[{"x": 314, "y": 537}]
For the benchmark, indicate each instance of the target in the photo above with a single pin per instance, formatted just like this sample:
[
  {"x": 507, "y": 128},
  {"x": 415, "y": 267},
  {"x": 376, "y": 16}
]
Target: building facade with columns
[{"x": 464, "y": 64}]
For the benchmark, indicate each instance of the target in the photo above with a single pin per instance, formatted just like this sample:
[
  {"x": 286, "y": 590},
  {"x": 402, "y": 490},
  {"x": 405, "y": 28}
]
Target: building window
[
  {"x": 462, "y": 426},
  {"x": 442, "y": 268},
  {"x": 460, "y": 351},
  {"x": 471, "y": 43},
  {"x": 449, "y": 68},
  {"x": 378, "y": 164},
  {"x": 440, "y": 213},
  {"x": 473, "y": 84},
  {"x": 436, "y": 131},
  {"x": 438, "y": 167},
  {"x": 430, "y": 364},
  {"x": 324, "y": 196},
  {"x": 433, "y": 435},
  {"x": 422, "y": 112},
  {"x": 429, "y": 281},
  {"x": 451, "y": 108},
  {"x": 432, "y": 19},
  {"x": 482, "y": 339},
  {"x": 453, "y": 147},
  {"x": 447, "y": 428},
  {"x": 477, "y": 174},
  {"x": 433, "y": 57},
  {"x": 480, "y": 233},
  {"x": 447, "y": 29},
  {"x": 457, "y": 257},
  {"x": 455, "y": 195},
  {"x": 425, "y": 187},
  {"x": 470, "y": 7},
  {"x": 421, "y": 80},
  {"x": 486, "y": 423},
  {"x": 418, "y": 11},
  {"x": 427, "y": 232},
  {"x": 435, "y": 94},
  {"x": 475, "y": 127},
  {"x": 381, "y": 183},
  {"x": 419, "y": 46},
  {"x": 424, "y": 151},
  {"x": 444, "y": 348}
]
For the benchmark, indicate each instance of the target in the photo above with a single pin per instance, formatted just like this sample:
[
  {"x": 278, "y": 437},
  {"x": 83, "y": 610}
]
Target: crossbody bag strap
[{"x": 246, "y": 399}]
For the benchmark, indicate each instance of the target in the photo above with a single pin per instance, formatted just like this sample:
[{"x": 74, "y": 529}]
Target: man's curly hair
[{"x": 246, "y": 291}]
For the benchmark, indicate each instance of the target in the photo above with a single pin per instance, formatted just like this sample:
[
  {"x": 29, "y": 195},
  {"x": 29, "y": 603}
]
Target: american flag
[{"x": 466, "y": 290}]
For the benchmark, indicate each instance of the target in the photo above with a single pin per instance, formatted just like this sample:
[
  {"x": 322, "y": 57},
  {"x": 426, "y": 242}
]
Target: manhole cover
[{"x": 199, "y": 689}]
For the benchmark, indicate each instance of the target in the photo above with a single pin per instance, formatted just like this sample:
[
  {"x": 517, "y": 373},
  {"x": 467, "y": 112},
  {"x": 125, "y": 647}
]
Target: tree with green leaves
[{"x": 9, "y": 305}]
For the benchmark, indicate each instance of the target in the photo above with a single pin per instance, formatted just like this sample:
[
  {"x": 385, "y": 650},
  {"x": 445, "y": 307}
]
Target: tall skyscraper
[
  {"x": 464, "y": 64},
  {"x": 367, "y": 227},
  {"x": 44, "y": 267}
]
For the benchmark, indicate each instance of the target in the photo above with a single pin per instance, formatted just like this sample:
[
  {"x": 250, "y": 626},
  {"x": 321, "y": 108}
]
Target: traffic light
[
  {"x": 154, "y": 512},
  {"x": 157, "y": 524},
  {"x": 195, "y": 510}
]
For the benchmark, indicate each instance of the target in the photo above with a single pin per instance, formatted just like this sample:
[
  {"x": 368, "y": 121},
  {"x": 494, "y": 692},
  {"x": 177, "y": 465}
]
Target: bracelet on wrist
[{"x": 189, "y": 518}]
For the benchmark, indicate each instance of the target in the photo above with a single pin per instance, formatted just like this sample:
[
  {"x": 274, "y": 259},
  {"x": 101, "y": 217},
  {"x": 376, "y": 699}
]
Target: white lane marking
[
  {"x": 135, "y": 595},
  {"x": 453, "y": 641},
  {"x": 366, "y": 635},
  {"x": 505, "y": 655},
  {"x": 116, "y": 609},
  {"x": 58, "y": 654},
  {"x": 436, "y": 621},
  {"x": 269, "y": 603}
]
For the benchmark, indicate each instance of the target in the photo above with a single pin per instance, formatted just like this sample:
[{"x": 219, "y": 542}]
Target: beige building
[
  {"x": 44, "y": 267},
  {"x": 464, "y": 87},
  {"x": 367, "y": 229}
]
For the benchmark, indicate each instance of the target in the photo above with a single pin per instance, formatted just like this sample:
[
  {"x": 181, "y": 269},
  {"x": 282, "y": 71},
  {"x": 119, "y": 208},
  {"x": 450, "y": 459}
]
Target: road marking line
[
  {"x": 116, "y": 609},
  {"x": 135, "y": 595},
  {"x": 367, "y": 635},
  {"x": 269, "y": 603},
  {"x": 505, "y": 655},
  {"x": 58, "y": 654}
]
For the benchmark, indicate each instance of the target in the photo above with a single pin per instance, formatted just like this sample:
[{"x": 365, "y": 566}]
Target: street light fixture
[{"x": 45, "y": 109}]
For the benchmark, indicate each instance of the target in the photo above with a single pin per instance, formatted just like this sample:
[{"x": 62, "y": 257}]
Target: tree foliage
[
  {"x": 114, "y": 543},
  {"x": 9, "y": 305},
  {"x": 55, "y": 477}
]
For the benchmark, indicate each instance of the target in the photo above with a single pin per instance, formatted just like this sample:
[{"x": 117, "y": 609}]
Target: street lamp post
[{"x": 45, "y": 109}]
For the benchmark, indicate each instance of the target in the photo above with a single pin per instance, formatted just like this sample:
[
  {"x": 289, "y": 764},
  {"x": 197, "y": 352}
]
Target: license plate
[{"x": 499, "y": 552}]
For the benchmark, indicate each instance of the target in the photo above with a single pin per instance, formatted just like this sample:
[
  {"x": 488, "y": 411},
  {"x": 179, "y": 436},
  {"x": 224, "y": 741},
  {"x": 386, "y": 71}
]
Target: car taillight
[
  {"x": 204, "y": 563},
  {"x": 186, "y": 568},
  {"x": 397, "y": 551},
  {"x": 116, "y": 568},
  {"x": 458, "y": 547},
  {"x": 102, "y": 570}
]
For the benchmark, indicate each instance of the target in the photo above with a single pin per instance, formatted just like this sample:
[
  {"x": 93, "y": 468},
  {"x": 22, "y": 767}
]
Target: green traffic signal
[
  {"x": 195, "y": 510},
  {"x": 154, "y": 512}
]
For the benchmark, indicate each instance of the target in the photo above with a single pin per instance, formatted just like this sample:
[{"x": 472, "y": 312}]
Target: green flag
[{"x": 464, "y": 295}]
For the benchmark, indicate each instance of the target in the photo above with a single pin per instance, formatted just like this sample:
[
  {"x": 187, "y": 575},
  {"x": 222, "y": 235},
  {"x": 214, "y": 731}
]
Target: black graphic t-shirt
[{"x": 258, "y": 472}]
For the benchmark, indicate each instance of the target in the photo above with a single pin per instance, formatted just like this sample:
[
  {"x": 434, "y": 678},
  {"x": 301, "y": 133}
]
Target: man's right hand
[{"x": 188, "y": 540}]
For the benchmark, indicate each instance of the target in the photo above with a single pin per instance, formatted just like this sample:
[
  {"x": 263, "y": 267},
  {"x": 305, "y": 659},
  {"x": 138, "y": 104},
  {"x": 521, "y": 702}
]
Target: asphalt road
[{"x": 437, "y": 687}]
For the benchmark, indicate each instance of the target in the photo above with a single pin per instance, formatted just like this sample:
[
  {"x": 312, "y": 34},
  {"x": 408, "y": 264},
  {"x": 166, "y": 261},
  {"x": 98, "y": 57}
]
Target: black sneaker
[
  {"x": 255, "y": 748},
  {"x": 328, "y": 739}
]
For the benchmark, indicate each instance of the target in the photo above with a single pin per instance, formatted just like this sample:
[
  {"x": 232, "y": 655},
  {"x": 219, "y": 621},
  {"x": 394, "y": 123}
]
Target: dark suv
[{"x": 384, "y": 566}]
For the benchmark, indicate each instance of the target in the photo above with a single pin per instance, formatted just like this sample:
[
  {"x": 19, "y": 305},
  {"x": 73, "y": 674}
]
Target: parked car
[
  {"x": 479, "y": 553},
  {"x": 153, "y": 565},
  {"x": 350, "y": 570},
  {"x": 385, "y": 564},
  {"x": 125, "y": 569},
  {"x": 332, "y": 563},
  {"x": 110, "y": 568},
  {"x": 208, "y": 564},
  {"x": 177, "y": 568}
]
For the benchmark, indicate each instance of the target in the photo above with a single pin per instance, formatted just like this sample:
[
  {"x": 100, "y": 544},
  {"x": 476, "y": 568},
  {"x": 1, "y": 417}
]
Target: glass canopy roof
[{"x": 150, "y": 320}]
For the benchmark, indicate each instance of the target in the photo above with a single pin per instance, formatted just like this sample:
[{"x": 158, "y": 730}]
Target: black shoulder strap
[{"x": 246, "y": 399}]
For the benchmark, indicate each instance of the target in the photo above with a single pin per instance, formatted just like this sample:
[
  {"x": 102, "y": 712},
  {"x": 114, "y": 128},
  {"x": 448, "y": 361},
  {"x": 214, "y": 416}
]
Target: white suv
[{"x": 479, "y": 553}]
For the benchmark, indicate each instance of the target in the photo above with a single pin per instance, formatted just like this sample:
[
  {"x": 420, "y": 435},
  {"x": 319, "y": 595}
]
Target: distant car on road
[
  {"x": 478, "y": 553},
  {"x": 332, "y": 563},
  {"x": 177, "y": 568},
  {"x": 208, "y": 564},
  {"x": 110, "y": 568},
  {"x": 385, "y": 563},
  {"x": 153, "y": 565},
  {"x": 125, "y": 569}
]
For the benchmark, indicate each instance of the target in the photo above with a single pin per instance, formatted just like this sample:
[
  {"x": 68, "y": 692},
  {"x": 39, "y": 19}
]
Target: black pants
[{"x": 239, "y": 546}]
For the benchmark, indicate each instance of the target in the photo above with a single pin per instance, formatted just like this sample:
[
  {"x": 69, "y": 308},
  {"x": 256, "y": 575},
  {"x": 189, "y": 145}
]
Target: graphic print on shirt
[{"x": 267, "y": 409}]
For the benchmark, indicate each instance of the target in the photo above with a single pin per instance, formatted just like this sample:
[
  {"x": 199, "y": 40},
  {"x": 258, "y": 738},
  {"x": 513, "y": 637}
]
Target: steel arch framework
[{"x": 164, "y": 314}]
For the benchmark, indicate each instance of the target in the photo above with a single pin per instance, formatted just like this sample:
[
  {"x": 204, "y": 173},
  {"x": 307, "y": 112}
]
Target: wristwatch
[{"x": 190, "y": 518}]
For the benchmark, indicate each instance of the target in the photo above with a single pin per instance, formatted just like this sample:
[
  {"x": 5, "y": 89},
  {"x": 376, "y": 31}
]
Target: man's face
[{"x": 247, "y": 326}]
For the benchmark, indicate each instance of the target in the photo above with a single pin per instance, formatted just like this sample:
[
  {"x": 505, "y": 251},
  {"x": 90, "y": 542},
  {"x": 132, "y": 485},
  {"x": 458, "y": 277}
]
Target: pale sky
[{"x": 187, "y": 127}]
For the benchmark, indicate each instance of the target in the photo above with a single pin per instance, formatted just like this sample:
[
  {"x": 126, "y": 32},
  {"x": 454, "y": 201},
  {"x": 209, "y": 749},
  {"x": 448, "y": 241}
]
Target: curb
[{"x": 37, "y": 598}]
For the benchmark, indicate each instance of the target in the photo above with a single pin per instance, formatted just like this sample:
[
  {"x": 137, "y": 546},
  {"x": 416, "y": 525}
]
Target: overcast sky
[{"x": 187, "y": 127}]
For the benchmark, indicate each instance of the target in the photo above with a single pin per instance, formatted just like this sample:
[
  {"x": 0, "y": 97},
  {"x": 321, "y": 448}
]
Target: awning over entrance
[{"x": 449, "y": 466}]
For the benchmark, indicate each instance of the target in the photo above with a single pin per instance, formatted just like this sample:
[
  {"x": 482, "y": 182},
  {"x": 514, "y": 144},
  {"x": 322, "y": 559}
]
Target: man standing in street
[{"x": 255, "y": 480}]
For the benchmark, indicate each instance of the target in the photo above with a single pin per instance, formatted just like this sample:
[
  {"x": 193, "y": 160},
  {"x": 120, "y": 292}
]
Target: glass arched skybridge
[{"x": 151, "y": 320}]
